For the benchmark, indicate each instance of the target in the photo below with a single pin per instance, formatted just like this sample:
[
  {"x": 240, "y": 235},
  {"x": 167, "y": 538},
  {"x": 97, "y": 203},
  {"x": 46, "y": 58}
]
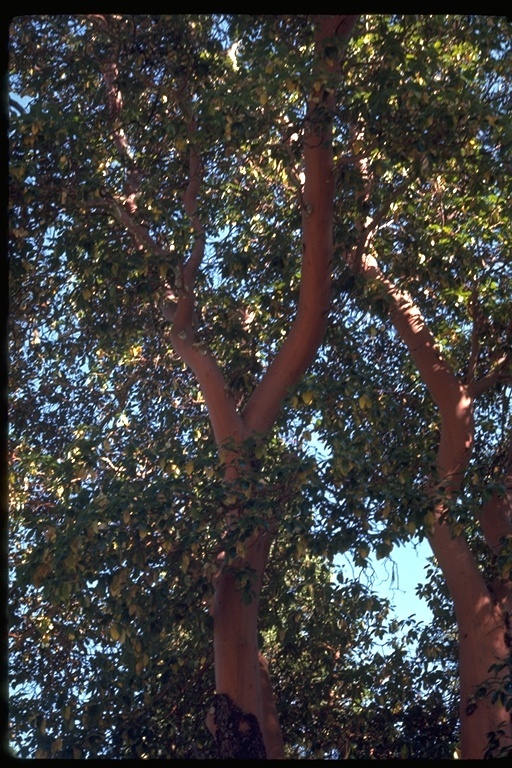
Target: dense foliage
[{"x": 118, "y": 496}]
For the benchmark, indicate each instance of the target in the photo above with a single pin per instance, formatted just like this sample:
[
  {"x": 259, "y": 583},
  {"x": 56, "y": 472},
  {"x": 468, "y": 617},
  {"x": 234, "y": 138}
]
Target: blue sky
[
  {"x": 395, "y": 578},
  {"x": 399, "y": 582}
]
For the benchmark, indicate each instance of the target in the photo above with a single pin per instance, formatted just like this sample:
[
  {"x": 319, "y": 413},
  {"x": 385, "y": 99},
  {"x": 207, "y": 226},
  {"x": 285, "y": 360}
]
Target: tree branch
[
  {"x": 115, "y": 105},
  {"x": 124, "y": 206},
  {"x": 190, "y": 268},
  {"x": 271, "y": 728},
  {"x": 475, "y": 336},
  {"x": 308, "y": 328},
  {"x": 497, "y": 372},
  {"x": 140, "y": 233},
  {"x": 463, "y": 578},
  {"x": 410, "y": 325},
  {"x": 16, "y": 105},
  {"x": 226, "y": 422},
  {"x": 496, "y": 515}
]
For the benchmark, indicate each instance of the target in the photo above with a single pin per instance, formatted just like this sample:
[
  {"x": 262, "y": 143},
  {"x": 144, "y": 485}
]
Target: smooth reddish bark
[
  {"x": 481, "y": 610},
  {"x": 271, "y": 727},
  {"x": 239, "y": 671}
]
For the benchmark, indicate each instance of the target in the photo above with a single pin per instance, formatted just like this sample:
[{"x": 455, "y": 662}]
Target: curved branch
[
  {"x": 476, "y": 314},
  {"x": 16, "y": 105},
  {"x": 115, "y": 105},
  {"x": 226, "y": 422},
  {"x": 308, "y": 328},
  {"x": 410, "y": 325},
  {"x": 140, "y": 233},
  {"x": 498, "y": 371},
  {"x": 185, "y": 307},
  {"x": 455, "y": 404},
  {"x": 123, "y": 206}
]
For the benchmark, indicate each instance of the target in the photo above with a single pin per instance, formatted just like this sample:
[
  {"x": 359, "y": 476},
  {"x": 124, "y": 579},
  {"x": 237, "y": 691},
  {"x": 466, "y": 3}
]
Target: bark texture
[{"x": 237, "y": 734}]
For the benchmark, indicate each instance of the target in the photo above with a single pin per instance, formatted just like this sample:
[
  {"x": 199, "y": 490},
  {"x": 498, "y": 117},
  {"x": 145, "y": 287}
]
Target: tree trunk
[
  {"x": 245, "y": 712},
  {"x": 482, "y": 615},
  {"x": 484, "y": 640},
  {"x": 482, "y": 611},
  {"x": 237, "y": 665}
]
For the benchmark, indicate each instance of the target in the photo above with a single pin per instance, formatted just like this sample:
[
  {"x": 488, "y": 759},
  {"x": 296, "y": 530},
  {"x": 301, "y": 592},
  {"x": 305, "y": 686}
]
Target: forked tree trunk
[
  {"x": 245, "y": 704},
  {"x": 245, "y": 716}
]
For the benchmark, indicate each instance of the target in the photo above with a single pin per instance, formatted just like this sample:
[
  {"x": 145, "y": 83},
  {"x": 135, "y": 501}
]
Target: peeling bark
[{"x": 237, "y": 734}]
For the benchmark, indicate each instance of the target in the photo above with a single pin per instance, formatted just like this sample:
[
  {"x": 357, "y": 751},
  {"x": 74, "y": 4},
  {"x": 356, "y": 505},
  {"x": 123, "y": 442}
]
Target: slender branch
[
  {"x": 475, "y": 337},
  {"x": 226, "y": 422},
  {"x": 191, "y": 266},
  {"x": 139, "y": 231},
  {"x": 500, "y": 371},
  {"x": 110, "y": 464},
  {"x": 412, "y": 329},
  {"x": 369, "y": 229},
  {"x": 16, "y": 105},
  {"x": 386, "y": 205},
  {"x": 123, "y": 207},
  {"x": 115, "y": 104}
]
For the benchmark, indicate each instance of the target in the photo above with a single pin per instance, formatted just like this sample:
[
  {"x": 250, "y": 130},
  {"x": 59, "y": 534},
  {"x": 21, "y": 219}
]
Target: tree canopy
[{"x": 170, "y": 248}]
